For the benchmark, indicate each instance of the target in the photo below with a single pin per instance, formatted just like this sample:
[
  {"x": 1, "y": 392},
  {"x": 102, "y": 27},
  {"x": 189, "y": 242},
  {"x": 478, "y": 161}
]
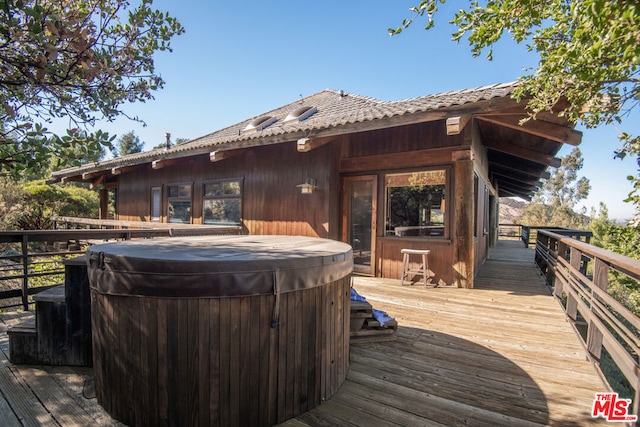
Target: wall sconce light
[{"x": 308, "y": 186}]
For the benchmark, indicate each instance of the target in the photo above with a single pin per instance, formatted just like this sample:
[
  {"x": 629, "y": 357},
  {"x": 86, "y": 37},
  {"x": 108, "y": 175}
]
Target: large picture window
[
  {"x": 179, "y": 203},
  {"x": 416, "y": 203},
  {"x": 222, "y": 202}
]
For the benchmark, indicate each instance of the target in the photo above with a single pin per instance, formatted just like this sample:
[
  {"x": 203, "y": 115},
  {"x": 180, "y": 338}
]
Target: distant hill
[{"x": 510, "y": 210}]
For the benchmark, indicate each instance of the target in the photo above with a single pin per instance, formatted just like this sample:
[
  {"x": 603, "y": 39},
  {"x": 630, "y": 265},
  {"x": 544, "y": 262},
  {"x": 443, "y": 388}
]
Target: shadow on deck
[{"x": 500, "y": 354}]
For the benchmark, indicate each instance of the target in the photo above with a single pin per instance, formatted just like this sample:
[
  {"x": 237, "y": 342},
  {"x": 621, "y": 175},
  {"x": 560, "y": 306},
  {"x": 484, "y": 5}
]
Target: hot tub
[{"x": 248, "y": 330}]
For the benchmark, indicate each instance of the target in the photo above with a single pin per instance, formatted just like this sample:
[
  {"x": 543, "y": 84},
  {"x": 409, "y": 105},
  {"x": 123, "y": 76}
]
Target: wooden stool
[{"x": 423, "y": 270}]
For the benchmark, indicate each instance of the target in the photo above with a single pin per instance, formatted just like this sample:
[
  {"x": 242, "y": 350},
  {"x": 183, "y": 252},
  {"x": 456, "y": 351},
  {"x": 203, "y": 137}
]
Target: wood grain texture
[
  {"x": 210, "y": 356},
  {"x": 501, "y": 354}
]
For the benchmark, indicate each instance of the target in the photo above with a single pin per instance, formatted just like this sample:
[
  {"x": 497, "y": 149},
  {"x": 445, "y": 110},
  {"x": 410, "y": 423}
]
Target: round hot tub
[{"x": 224, "y": 330}]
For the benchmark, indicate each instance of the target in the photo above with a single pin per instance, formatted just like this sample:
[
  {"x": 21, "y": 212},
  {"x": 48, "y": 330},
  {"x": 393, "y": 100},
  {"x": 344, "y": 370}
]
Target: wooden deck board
[{"x": 499, "y": 354}]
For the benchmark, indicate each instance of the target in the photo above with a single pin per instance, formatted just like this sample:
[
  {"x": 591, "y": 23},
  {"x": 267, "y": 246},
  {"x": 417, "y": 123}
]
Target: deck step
[
  {"x": 360, "y": 312},
  {"x": 55, "y": 294},
  {"x": 60, "y": 332},
  {"x": 23, "y": 342},
  {"x": 364, "y": 327}
]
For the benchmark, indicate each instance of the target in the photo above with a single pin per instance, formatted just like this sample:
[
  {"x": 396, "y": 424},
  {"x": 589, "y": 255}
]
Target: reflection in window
[
  {"x": 416, "y": 203},
  {"x": 222, "y": 202},
  {"x": 179, "y": 203},
  {"x": 155, "y": 203}
]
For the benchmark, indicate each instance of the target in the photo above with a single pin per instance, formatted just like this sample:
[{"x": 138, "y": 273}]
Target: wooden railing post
[
  {"x": 524, "y": 235},
  {"x": 610, "y": 325},
  {"x": 25, "y": 272},
  {"x": 601, "y": 280},
  {"x": 575, "y": 256}
]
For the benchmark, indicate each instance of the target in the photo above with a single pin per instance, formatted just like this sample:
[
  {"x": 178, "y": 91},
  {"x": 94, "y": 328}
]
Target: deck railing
[
  {"x": 579, "y": 274},
  {"x": 528, "y": 234},
  {"x": 32, "y": 261}
]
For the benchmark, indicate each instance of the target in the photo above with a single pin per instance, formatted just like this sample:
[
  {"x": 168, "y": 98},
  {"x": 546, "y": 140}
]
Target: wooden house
[{"x": 422, "y": 173}]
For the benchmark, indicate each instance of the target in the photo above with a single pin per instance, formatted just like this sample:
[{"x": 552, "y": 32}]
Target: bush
[{"x": 34, "y": 203}]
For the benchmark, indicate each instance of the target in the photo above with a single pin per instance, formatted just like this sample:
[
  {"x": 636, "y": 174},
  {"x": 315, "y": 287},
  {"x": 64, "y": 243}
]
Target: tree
[
  {"x": 77, "y": 60},
  {"x": 30, "y": 205},
  {"x": 589, "y": 56},
  {"x": 128, "y": 143},
  {"x": 555, "y": 202}
]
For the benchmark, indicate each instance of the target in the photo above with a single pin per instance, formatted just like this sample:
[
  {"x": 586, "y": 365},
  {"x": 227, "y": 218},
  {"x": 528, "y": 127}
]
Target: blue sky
[{"x": 237, "y": 60}]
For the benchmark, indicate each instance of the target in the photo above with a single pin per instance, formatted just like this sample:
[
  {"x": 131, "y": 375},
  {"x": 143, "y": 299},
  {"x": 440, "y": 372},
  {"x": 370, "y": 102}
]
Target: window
[
  {"x": 222, "y": 202},
  {"x": 259, "y": 123},
  {"x": 156, "y": 201},
  {"x": 416, "y": 203},
  {"x": 299, "y": 114},
  {"x": 179, "y": 203}
]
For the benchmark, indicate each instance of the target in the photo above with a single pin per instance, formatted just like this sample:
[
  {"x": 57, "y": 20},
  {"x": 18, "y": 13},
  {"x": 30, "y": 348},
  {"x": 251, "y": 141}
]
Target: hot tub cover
[{"x": 216, "y": 266}]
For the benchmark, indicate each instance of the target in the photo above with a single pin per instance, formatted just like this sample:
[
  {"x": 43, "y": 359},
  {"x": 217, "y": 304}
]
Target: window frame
[
  {"x": 170, "y": 199},
  {"x": 239, "y": 197},
  {"x": 151, "y": 204},
  {"x": 445, "y": 202}
]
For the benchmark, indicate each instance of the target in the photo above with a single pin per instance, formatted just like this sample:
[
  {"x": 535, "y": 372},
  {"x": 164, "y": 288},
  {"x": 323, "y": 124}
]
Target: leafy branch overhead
[
  {"x": 73, "y": 60},
  {"x": 589, "y": 54}
]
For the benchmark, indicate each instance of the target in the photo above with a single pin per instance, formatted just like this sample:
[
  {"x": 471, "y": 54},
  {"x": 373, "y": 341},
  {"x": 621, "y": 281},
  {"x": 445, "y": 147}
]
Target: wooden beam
[
  {"x": 505, "y": 166},
  {"x": 525, "y": 179},
  {"x": 304, "y": 145},
  {"x": 515, "y": 194},
  {"x": 519, "y": 186},
  {"x": 97, "y": 182},
  {"x": 462, "y": 228},
  {"x": 117, "y": 170},
  {"x": 504, "y": 185},
  {"x": 104, "y": 204},
  {"x": 157, "y": 164},
  {"x": 395, "y": 160},
  {"x": 456, "y": 124},
  {"x": 216, "y": 156},
  {"x": 525, "y": 153},
  {"x": 548, "y": 130},
  {"x": 90, "y": 175}
]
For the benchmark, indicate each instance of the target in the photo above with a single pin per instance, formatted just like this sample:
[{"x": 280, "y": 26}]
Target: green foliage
[
  {"x": 11, "y": 203},
  {"x": 624, "y": 240},
  {"x": 554, "y": 203},
  {"x": 38, "y": 202},
  {"x": 80, "y": 60},
  {"x": 128, "y": 143},
  {"x": 589, "y": 68}
]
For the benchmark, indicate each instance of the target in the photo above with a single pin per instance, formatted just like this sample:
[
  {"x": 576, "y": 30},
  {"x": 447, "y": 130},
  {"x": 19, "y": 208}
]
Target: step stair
[
  {"x": 365, "y": 328},
  {"x": 60, "y": 331}
]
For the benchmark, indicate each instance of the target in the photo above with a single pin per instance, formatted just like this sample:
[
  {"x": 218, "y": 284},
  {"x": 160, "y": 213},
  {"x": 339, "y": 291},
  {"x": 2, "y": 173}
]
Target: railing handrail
[
  {"x": 610, "y": 325},
  {"x": 526, "y": 231},
  {"x": 625, "y": 264},
  {"x": 21, "y": 268},
  {"x": 136, "y": 224}
]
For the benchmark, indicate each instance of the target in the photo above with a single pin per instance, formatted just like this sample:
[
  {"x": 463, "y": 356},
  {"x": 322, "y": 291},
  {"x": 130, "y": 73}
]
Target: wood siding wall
[
  {"x": 271, "y": 203},
  {"x": 417, "y": 147}
]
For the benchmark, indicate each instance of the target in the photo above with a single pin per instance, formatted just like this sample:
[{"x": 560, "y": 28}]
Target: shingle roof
[{"x": 335, "y": 109}]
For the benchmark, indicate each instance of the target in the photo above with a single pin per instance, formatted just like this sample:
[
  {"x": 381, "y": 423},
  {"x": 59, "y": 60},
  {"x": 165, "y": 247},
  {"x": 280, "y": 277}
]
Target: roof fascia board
[{"x": 408, "y": 118}]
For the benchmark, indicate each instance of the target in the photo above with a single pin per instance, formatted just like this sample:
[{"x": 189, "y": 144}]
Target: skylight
[
  {"x": 259, "y": 124},
  {"x": 301, "y": 113}
]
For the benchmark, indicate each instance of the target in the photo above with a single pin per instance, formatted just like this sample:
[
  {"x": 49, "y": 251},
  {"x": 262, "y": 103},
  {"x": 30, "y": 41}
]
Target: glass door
[{"x": 359, "y": 220}]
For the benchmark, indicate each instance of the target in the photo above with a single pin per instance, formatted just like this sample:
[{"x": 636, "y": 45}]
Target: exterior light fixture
[{"x": 308, "y": 186}]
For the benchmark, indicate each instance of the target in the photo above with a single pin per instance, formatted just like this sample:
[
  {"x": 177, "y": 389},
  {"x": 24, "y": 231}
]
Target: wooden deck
[{"x": 500, "y": 354}]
